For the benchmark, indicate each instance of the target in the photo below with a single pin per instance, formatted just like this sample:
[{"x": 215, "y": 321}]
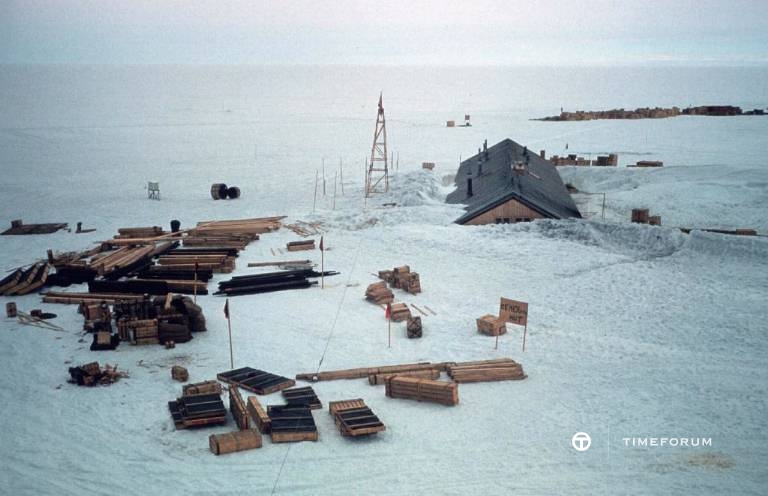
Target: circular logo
[{"x": 581, "y": 441}]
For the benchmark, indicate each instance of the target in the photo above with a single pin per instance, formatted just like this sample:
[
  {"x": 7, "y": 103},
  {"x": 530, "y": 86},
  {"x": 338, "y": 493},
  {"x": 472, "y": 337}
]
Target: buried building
[{"x": 508, "y": 183}]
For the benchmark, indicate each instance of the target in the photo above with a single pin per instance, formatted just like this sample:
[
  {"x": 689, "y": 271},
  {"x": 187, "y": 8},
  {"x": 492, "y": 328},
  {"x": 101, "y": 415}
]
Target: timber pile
[
  {"x": 354, "y": 418},
  {"x": 414, "y": 329},
  {"x": 176, "y": 272},
  {"x": 491, "y": 325},
  {"x": 379, "y": 293},
  {"x": 490, "y": 370},
  {"x": 302, "y": 396},
  {"x": 301, "y": 245},
  {"x": 379, "y": 379},
  {"x": 237, "y": 407},
  {"x": 134, "y": 308},
  {"x": 206, "y": 387},
  {"x": 362, "y": 373},
  {"x": 256, "y": 381},
  {"x": 243, "y": 227},
  {"x": 22, "y": 282},
  {"x": 259, "y": 415},
  {"x": 231, "y": 442},
  {"x": 147, "y": 286},
  {"x": 217, "y": 261},
  {"x": 126, "y": 257},
  {"x": 400, "y": 312},
  {"x": 271, "y": 281},
  {"x": 91, "y": 374},
  {"x": 234, "y": 241},
  {"x": 197, "y": 411},
  {"x": 291, "y": 424},
  {"x": 402, "y": 278},
  {"x": 88, "y": 298},
  {"x": 140, "y": 232},
  {"x": 414, "y": 388},
  {"x": 18, "y": 227}
]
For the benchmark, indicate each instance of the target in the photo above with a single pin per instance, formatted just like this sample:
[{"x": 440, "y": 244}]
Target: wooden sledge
[{"x": 256, "y": 381}]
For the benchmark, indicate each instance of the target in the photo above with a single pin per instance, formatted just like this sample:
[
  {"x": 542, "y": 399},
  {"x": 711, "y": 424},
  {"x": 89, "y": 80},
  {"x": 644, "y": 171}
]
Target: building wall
[{"x": 510, "y": 211}]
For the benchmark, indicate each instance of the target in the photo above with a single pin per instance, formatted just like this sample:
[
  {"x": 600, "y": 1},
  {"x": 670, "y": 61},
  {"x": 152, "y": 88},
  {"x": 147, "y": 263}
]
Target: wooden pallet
[
  {"x": 302, "y": 396},
  {"x": 256, "y": 381},
  {"x": 354, "y": 418},
  {"x": 259, "y": 415},
  {"x": 291, "y": 424},
  {"x": 198, "y": 411}
]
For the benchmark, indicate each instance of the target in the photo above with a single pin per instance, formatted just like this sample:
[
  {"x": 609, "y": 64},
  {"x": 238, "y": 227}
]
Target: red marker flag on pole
[
  {"x": 388, "y": 312},
  {"x": 226, "y": 309},
  {"x": 321, "y": 243}
]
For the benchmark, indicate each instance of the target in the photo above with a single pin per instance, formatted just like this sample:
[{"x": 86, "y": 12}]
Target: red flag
[
  {"x": 321, "y": 243},
  {"x": 388, "y": 311},
  {"x": 226, "y": 309}
]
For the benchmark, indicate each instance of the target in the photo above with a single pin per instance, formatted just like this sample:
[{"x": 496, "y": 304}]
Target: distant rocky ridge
[{"x": 651, "y": 113}]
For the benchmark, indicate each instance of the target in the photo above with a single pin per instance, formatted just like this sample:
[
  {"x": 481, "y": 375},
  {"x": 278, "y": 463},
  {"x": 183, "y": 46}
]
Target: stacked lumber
[
  {"x": 197, "y": 411},
  {"x": 91, "y": 374},
  {"x": 206, "y": 387},
  {"x": 154, "y": 287},
  {"x": 491, "y": 325},
  {"x": 220, "y": 263},
  {"x": 414, "y": 388},
  {"x": 138, "y": 331},
  {"x": 183, "y": 286},
  {"x": 400, "y": 312},
  {"x": 301, "y": 245},
  {"x": 304, "y": 396},
  {"x": 231, "y": 442},
  {"x": 139, "y": 232},
  {"x": 361, "y": 373},
  {"x": 237, "y": 407},
  {"x": 254, "y": 380},
  {"x": 414, "y": 328},
  {"x": 234, "y": 241},
  {"x": 354, "y": 418},
  {"x": 175, "y": 272},
  {"x": 122, "y": 258},
  {"x": 490, "y": 370},
  {"x": 248, "y": 227},
  {"x": 89, "y": 298},
  {"x": 259, "y": 415},
  {"x": 378, "y": 379},
  {"x": 271, "y": 281},
  {"x": 291, "y": 423},
  {"x": 379, "y": 293},
  {"x": 23, "y": 282}
]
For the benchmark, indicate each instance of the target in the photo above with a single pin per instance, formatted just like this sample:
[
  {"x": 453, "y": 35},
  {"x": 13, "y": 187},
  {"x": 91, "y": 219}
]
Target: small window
[{"x": 498, "y": 220}]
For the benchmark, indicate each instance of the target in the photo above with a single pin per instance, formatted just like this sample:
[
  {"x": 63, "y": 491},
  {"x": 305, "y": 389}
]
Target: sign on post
[{"x": 515, "y": 312}]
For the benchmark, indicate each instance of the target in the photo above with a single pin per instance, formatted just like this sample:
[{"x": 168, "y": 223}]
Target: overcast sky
[{"x": 540, "y": 32}]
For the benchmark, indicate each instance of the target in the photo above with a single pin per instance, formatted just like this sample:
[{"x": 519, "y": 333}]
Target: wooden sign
[{"x": 513, "y": 311}]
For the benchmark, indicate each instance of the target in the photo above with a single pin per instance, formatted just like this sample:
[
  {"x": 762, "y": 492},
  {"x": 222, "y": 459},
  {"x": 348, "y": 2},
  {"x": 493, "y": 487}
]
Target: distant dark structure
[{"x": 508, "y": 183}]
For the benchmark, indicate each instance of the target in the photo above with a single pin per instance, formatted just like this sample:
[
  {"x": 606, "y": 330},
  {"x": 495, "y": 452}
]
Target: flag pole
[
  {"x": 194, "y": 287},
  {"x": 389, "y": 325},
  {"x": 524, "y": 333},
  {"x": 322, "y": 264}
]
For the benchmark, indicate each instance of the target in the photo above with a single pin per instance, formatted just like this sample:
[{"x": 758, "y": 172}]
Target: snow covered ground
[{"x": 634, "y": 331}]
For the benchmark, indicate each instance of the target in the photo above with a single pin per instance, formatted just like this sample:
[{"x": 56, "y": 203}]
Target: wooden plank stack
[
  {"x": 259, "y": 415},
  {"x": 364, "y": 372},
  {"x": 414, "y": 388},
  {"x": 237, "y": 407},
  {"x": 489, "y": 370},
  {"x": 378, "y": 379},
  {"x": 231, "y": 442},
  {"x": 139, "y": 232},
  {"x": 308, "y": 244},
  {"x": 206, "y": 387},
  {"x": 73, "y": 298},
  {"x": 256, "y": 381},
  {"x": 138, "y": 331},
  {"x": 124, "y": 257},
  {"x": 304, "y": 396},
  {"x": 379, "y": 293},
  {"x": 197, "y": 411},
  {"x": 22, "y": 282},
  {"x": 291, "y": 424},
  {"x": 217, "y": 262},
  {"x": 400, "y": 312},
  {"x": 490, "y": 325},
  {"x": 354, "y": 418}
]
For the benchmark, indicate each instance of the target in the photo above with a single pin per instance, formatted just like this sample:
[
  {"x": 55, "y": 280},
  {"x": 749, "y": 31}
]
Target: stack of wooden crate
[
  {"x": 308, "y": 244},
  {"x": 138, "y": 331},
  {"x": 354, "y": 418},
  {"x": 491, "y": 325},
  {"x": 379, "y": 293},
  {"x": 198, "y": 410},
  {"x": 501, "y": 369},
  {"x": 291, "y": 424},
  {"x": 414, "y": 388},
  {"x": 402, "y": 278}
]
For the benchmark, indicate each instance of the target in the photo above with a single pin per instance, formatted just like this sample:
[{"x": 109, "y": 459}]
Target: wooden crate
[
  {"x": 400, "y": 312},
  {"x": 414, "y": 329},
  {"x": 259, "y": 415},
  {"x": 414, "y": 388},
  {"x": 231, "y": 442},
  {"x": 491, "y": 325},
  {"x": 291, "y": 424},
  {"x": 237, "y": 407},
  {"x": 486, "y": 371},
  {"x": 301, "y": 245},
  {"x": 354, "y": 418},
  {"x": 179, "y": 373},
  {"x": 207, "y": 387}
]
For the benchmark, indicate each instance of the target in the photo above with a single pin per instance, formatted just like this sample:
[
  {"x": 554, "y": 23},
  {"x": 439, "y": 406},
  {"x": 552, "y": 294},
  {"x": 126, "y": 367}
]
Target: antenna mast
[{"x": 378, "y": 167}]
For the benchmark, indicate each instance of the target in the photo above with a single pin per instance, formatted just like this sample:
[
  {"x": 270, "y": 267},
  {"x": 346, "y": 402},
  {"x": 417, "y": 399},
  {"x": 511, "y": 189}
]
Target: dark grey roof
[{"x": 539, "y": 187}]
